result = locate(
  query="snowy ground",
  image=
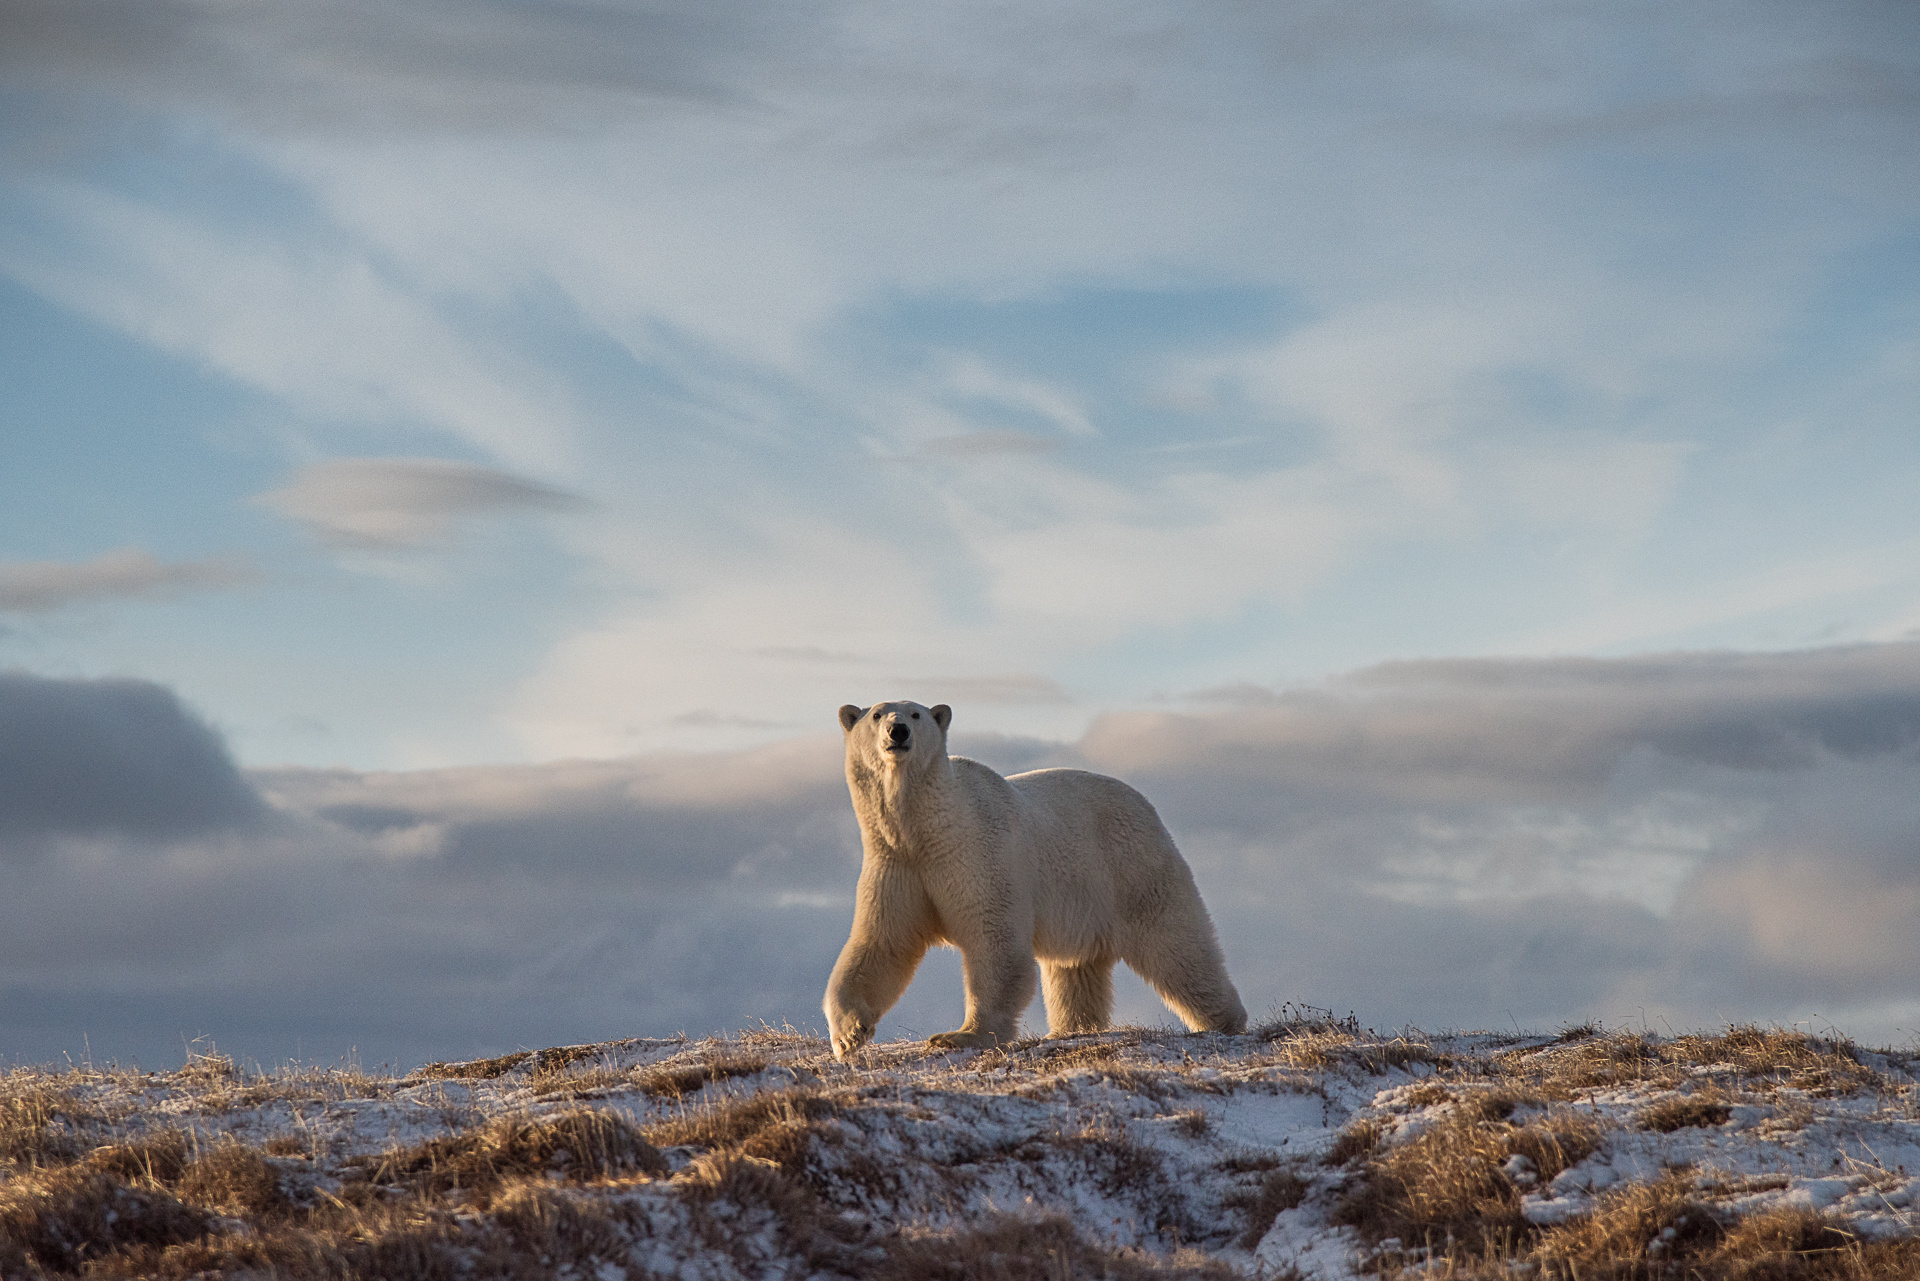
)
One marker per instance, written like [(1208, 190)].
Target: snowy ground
[(1269, 1154)]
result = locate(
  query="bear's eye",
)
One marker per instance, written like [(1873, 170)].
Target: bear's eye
[(916, 716)]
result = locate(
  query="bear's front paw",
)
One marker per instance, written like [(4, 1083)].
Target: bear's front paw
[(849, 1036), (963, 1040)]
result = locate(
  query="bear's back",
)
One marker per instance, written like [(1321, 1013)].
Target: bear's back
[(1096, 817)]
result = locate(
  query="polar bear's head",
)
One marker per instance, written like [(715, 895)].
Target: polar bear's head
[(896, 735)]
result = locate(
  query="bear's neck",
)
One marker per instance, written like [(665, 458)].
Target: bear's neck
[(896, 808)]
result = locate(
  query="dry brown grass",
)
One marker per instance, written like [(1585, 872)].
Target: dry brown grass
[(53, 1221), (1448, 1189), (1324, 1050), (680, 1080), (478, 1070), (580, 1145), (1194, 1124), (1119, 1165), (1103, 1059), (158, 1159), (89, 1186), (341, 1243), (229, 1177), (729, 1122), (1279, 1190), (1354, 1142), (1569, 1070), (215, 1086), (1426, 1094), (728, 1191), (1052, 1060), (232, 1178), (1650, 1231), (1751, 1058), (34, 1131), (795, 1131), (1663, 1229), (1046, 1249), (1706, 1108), (1640, 1230), (1799, 1245), (1292, 1020), (1771, 1057), (208, 1068)]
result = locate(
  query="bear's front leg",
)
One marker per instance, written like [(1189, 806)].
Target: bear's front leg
[(1000, 976), (890, 935)]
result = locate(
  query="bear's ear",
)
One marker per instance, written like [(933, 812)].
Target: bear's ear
[(941, 715), (850, 716)]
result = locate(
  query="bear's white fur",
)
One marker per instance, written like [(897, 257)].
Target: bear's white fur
[(1072, 868)]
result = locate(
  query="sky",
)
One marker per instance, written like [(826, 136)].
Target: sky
[(1457, 458)]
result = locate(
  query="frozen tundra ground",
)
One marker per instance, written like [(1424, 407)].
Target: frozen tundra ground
[(1309, 1148)]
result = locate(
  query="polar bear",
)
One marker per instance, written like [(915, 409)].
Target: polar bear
[(1071, 868)]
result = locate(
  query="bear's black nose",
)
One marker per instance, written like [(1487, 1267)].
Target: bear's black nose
[(899, 732)]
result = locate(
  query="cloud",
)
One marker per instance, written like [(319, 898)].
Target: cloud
[(404, 502), (39, 586), (331, 64), (94, 756), (1016, 687), (807, 654), (1461, 732), (1679, 839), (976, 444), (1688, 837), (1491, 360), (721, 261)]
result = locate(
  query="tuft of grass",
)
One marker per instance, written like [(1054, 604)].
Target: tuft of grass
[(1292, 1020), (675, 1082), (156, 1160), (1320, 1047), (730, 1122), (233, 1179), (560, 1229), (1426, 1094), (1750, 1057), (1118, 1163), (56, 1220), (1279, 1190), (208, 1068), (1043, 1249), (1354, 1142), (1639, 1230), (1773, 1057), (33, 1128), (478, 1070), (728, 1190), (1686, 1110), (581, 1145), (1447, 1188), (1069, 1058)]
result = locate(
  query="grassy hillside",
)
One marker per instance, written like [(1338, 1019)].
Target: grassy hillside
[(1308, 1148)]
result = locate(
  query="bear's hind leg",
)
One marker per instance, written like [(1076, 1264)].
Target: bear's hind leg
[(1079, 995), (1180, 960)]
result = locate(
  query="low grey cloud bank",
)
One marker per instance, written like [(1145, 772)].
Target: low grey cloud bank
[(1682, 839), (39, 586), (110, 756), (334, 63)]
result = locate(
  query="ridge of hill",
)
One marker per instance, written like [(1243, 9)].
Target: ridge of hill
[(1307, 1148)]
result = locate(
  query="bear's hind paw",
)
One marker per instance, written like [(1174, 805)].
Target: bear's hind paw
[(964, 1040)]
